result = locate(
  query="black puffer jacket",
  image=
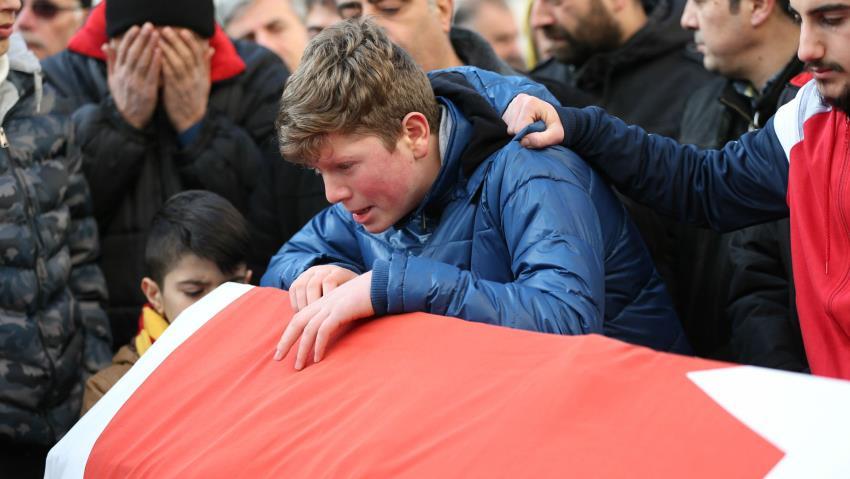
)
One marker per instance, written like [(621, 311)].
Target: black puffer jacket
[(739, 297), (132, 172), (53, 331), (647, 80)]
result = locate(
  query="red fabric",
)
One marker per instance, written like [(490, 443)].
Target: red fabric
[(801, 79), (421, 396), (88, 41), (819, 197)]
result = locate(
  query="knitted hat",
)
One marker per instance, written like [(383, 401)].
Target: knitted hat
[(196, 15)]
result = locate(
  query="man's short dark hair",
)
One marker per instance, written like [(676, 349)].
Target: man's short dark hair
[(197, 222)]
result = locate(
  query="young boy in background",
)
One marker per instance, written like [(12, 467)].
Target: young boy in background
[(196, 242), (529, 239)]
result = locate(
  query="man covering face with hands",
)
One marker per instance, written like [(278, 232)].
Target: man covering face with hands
[(164, 102)]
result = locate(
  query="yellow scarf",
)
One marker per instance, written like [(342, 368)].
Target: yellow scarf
[(151, 327)]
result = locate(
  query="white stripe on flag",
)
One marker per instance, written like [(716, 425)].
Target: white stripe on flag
[(804, 416), (68, 458)]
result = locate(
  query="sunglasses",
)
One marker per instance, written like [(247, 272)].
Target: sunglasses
[(46, 10)]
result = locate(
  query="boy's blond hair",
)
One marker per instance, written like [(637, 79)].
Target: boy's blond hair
[(352, 80)]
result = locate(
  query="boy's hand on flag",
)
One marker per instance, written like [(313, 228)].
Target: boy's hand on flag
[(316, 282), (317, 322)]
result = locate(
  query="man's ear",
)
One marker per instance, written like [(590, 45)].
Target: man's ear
[(248, 275), (444, 10), (417, 132), (153, 293), (761, 10)]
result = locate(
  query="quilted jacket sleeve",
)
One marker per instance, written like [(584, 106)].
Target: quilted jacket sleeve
[(327, 239), (743, 183), (552, 232)]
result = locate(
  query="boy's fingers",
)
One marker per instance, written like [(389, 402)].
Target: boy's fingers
[(323, 337), (308, 337), (287, 339), (328, 285), (314, 288)]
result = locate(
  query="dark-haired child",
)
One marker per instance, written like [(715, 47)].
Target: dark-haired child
[(196, 242)]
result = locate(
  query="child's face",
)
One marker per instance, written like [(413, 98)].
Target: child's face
[(186, 283), (376, 186)]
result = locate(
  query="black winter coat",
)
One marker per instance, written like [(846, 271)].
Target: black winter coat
[(132, 172), (740, 294)]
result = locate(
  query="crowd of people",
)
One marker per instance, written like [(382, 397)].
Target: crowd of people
[(627, 173)]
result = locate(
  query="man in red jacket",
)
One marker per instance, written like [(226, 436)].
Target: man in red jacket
[(799, 162)]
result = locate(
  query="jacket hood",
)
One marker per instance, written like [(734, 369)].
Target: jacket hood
[(474, 100), (661, 34), (22, 59), (89, 40)]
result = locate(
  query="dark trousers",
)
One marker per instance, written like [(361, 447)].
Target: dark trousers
[(22, 461)]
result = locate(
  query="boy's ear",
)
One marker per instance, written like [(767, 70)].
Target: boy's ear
[(417, 132), (248, 275), (154, 294)]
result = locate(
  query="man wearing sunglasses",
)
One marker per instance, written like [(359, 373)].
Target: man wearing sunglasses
[(47, 25)]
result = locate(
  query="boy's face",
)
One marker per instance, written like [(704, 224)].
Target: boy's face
[(190, 280), (377, 186)]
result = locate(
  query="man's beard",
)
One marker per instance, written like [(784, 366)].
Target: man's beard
[(842, 101), (597, 32)]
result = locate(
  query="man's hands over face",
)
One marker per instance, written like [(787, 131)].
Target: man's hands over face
[(185, 76), (317, 321), (134, 65), (144, 60)]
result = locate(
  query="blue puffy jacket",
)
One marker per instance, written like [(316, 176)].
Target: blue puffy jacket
[(532, 239)]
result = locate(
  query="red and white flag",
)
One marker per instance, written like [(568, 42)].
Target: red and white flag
[(432, 397)]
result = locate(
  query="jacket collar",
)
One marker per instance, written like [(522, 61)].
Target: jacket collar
[(450, 179), (660, 35), (225, 63), (779, 90)]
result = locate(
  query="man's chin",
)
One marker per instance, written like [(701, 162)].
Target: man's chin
[(840, 101)]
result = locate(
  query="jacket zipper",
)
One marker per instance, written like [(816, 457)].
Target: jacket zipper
[(843, 217)]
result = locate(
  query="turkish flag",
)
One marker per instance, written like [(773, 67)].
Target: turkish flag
[(403, 396)]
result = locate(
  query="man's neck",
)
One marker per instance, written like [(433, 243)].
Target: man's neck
[(779, 45), (442, 56), (631, 21)]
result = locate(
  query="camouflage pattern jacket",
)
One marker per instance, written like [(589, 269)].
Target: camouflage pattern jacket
[(53, 331)]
